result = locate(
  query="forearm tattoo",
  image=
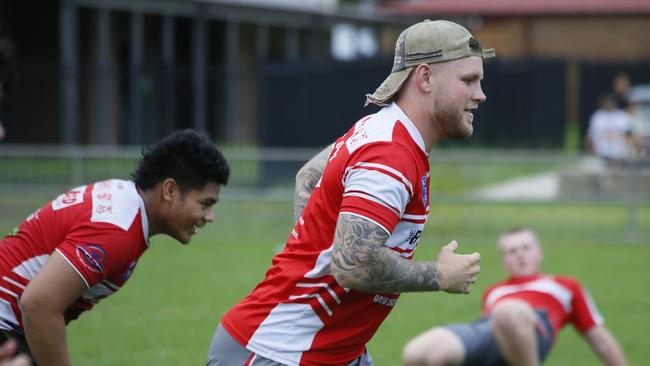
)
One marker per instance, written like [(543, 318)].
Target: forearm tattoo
[(306, 180), (363, 263)]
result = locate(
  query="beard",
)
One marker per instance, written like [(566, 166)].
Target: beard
[(454, 124)]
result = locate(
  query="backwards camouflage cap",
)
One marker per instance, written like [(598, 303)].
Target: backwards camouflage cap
[(425, 43)]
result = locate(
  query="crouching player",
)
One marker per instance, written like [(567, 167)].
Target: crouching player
[(84, 245)]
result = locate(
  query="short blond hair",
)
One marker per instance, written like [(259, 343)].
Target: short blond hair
[(517, 230)]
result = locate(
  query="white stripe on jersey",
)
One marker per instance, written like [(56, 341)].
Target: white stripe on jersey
[(30, 267), (317, 297), (111, 285), (544, 285), (9, 292), (415, 217), (323, 285), (7, 317), (278, 332), (593, 310), (365, 218), (99, 290), (387, 168), (322, 266), (389, 191), (13, 282)]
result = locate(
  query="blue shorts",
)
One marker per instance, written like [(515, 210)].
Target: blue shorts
[(481, 346)]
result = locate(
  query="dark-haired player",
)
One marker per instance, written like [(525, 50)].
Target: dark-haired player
[(84, 245)]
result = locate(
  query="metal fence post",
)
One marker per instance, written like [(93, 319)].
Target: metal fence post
[(632, 233)]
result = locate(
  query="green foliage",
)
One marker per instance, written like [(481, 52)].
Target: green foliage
[(167, 312)]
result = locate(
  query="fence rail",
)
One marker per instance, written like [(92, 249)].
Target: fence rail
[(456, 175)]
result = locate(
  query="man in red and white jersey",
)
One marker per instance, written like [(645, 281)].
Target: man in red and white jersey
[(366, 201), (84, 245), (521, 317)]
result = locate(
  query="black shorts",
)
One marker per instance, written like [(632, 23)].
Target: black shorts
[(481, 346)]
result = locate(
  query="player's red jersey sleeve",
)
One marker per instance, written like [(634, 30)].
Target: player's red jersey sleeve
[(378, 183), (100, 254), (584, 314)]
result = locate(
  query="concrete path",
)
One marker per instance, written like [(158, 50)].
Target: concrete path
[(539, 187)]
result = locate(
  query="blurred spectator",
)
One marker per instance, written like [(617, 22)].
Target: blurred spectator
[(609, 135), (620, 88), (7, 71), (640, 127)]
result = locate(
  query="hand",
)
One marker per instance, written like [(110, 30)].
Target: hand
[(7, 351), (457, 271)]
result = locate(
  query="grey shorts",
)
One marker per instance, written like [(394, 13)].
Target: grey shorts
[(481, 346), (226, 351)]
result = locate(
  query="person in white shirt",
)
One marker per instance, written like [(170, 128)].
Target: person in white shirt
[(609, 132)]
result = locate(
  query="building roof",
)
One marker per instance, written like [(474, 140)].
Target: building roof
[(293, 13), (518, 7)]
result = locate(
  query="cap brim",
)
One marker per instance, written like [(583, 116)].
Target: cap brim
[(387, 90)]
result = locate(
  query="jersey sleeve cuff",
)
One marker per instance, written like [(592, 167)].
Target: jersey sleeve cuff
[(73, 267)]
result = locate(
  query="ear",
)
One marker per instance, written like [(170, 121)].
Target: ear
[(423, 73), (169, 189)]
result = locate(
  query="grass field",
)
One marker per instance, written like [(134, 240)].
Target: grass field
[(166, 313)]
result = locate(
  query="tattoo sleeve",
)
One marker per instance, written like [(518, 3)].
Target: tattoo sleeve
[(306, 180), (360, 261)]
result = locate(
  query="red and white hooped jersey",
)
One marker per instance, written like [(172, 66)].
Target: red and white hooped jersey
[(299, 314), (100, 229), (565, 300)]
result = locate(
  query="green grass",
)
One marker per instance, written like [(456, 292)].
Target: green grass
[(68, 172), (167, 312)]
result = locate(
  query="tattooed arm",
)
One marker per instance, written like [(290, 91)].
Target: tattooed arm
[(307, 178), (360, 261)]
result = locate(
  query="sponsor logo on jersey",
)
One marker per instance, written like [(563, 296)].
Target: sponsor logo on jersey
[(103, 209), (383, 300), (92, 256), (414, 236), (104, 196), (73, 197), (424, 190)]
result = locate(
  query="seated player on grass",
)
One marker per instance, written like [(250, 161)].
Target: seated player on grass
[(521, 317)]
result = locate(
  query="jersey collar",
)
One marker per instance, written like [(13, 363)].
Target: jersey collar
[(399, 114), (522, 279), (143, 218)]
